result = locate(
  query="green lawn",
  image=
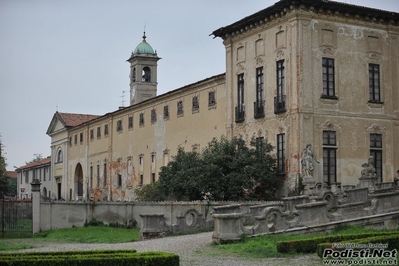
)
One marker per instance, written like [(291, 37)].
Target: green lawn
[(90, 234), (266, 246)]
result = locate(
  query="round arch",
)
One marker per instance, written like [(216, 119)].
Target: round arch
[(78, 181)]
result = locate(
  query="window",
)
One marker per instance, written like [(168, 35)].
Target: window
[(146, 74), (70, 141), (130, 122), (119, 180), (98, 175), (211, 98), (98, 132), (195, 103), (328, 78), (141, 119), (374, 83), (119, 125), (105, 174), (152, 158), (106, 130), (166, 112), (81, 138), (376, 153), (153, 116), (281, 153), (279, 100), (134, 74), (91, 134), (240, 108), (180, 108), (59, 156), (141, 160), (153, 177), (91, 176), (329, 157), (76, 139), (26, 176), (259, 110), (141, 180)]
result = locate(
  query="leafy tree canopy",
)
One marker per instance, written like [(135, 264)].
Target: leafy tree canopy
[(225, 170), (36, 157)]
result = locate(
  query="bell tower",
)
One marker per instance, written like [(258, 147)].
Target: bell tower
[(143, 72)]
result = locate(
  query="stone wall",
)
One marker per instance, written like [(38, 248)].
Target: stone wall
[(178, 216)]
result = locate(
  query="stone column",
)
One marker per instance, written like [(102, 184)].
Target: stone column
[(35, 188)]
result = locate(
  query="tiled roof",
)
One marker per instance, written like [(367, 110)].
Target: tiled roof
[(34, 164), (72, 120), (11, 174)]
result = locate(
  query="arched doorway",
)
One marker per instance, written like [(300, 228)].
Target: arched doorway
[(79, 181), (44, 192)]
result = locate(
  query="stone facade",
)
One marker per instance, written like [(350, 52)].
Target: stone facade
[(297, 73)]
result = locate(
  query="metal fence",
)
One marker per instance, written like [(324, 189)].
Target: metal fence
[(16, 218)]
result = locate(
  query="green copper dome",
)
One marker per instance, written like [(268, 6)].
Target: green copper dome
[(144, 47)]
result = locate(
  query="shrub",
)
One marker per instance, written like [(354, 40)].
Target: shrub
[(99, 257), (309, 245)]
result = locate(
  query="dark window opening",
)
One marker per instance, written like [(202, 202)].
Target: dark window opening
[(180, 108), (166, 112), (279, 100), (329, 157), (211, 98), (195, 103), (374, 83), (240, 108), (281, 153), (153, 116), (259, 105), (146, 74), (328, 78)]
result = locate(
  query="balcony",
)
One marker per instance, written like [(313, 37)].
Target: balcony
[(279, 104), (240, 114), (259, 109)]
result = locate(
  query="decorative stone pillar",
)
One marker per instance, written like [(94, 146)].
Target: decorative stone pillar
[(153, 225), (227, 227), (35, 188)]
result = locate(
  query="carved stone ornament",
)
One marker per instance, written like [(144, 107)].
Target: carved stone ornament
[(328, 125), (375, 128), (259, 61), (375, 57), (328, 50)]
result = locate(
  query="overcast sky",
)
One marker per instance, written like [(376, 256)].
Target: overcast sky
[(71, 56)]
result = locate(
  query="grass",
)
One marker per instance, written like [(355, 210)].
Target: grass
[(266, 246), (91, 234)]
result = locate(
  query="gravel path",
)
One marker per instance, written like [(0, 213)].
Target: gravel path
[(193, 250)]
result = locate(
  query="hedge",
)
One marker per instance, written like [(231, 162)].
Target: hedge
[(99, 257), (309, 245), (391, 240)]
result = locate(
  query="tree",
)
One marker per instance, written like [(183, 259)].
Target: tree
[(36, 157), (225, 170), (3, 165)]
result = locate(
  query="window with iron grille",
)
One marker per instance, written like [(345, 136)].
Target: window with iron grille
[(279, 100), (105, 174), (98, 175), (328, 78), (195, 103), (329, 157), (180, 108), (91, 134), (240, 108), (119, 125), (91, 176), (211, 98), (98, 132), (153, 116), (106, 130), (130, 122), (166, 112), (141, 119), (376, 153), (281, 153), (119, 180), (259, 110), (374, 83)]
